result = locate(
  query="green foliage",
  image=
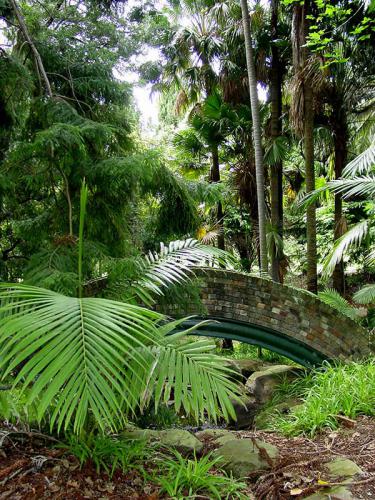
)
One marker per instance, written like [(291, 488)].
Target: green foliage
[(188, 478), (335, 300), (347, 390), (108, 453)]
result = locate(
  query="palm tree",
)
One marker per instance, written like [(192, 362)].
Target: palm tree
[(358, 180), (190, 57), (304, 123), (87, 358), (257, 134), (276, 171)]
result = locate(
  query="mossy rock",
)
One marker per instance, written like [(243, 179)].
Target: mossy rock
[(242, 457), (179, 439)]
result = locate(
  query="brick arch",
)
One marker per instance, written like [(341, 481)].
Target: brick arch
[(285, 319)]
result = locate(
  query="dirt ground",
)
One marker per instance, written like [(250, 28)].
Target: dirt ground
[(31, 469)]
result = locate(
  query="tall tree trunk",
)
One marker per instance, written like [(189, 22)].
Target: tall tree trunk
[(312, 275), (340, 137), (300, 60), (276, 131), (257, 137), (215, 177)]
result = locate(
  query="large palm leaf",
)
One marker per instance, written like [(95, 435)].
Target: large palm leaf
[(90, 356), (352, 238), (74, 351), (364, 163)]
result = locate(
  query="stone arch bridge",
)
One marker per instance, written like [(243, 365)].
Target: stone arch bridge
[(283, 319)]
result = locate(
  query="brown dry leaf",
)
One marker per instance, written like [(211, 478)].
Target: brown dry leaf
[(73, 484)]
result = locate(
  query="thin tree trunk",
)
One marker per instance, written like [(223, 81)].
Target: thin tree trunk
[(300, 58), (26, 34), (257, 137), (276, 131), (340, 137), (312, 275), (215, 177)]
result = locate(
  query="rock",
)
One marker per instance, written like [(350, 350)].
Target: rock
[(338, 493), (249, 366), (246, 411), (220, 441), (343, 467), (180, 439), (244, 456), (233, 365), (211, 434), (261, 384)]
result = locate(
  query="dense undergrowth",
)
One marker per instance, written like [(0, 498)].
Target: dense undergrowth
[(324, 395)]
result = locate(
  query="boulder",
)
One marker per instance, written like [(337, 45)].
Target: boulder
[(180, 439), (246, 411), (261, 384), (338, 493), (249, 366), (343, 467), (212, 434), (241, 457), (233, 365)]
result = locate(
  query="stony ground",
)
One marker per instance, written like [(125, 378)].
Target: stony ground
[(30, 469)]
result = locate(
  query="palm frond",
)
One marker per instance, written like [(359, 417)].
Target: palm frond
[(351, 238), (199, 380), (334, 299), (365, 295), (356, 186), (174, 264), (74, 353), (362, 164)]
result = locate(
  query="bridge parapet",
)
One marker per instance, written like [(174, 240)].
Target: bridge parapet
[(293, 313)]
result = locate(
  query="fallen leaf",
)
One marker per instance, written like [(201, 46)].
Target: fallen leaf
[(295, 491), (320, 481)]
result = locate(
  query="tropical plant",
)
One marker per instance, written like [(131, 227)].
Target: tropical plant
[(108, 453), (254, 103), (332, 297), (189, 478), (90, 358)]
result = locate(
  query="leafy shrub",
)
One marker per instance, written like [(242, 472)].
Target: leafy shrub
[(247, 351), (347, 390), (162, 418), (187, 478), (108, 453)]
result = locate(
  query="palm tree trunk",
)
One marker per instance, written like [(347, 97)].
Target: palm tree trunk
[(312, 275), (257, 137), (300, 59), (215, 177), (276, 131), (340, 137)]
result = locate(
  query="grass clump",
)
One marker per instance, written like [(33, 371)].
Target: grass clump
[(347, 390), (182, 477), (108, 453)]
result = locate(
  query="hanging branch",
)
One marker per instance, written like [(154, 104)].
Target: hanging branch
[(26, 34)]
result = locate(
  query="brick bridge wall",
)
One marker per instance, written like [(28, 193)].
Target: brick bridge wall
[(294, 313)]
